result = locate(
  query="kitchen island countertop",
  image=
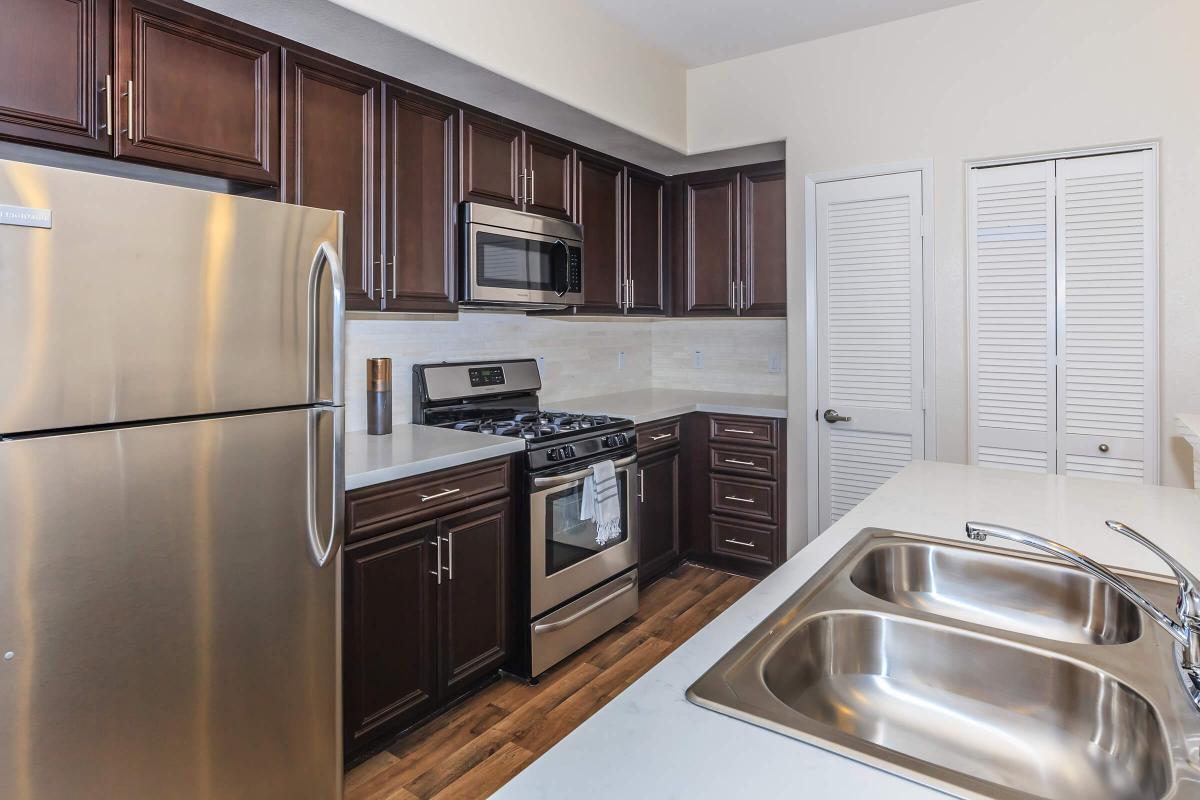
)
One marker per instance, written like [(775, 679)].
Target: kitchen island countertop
[(649, 405), (649, 741)]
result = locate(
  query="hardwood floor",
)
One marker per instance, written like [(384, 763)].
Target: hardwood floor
[(472, 750)]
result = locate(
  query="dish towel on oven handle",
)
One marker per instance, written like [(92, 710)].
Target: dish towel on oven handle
[(601, 502)]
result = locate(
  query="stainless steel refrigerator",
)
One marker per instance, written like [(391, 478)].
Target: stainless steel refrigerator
[(170, 492)]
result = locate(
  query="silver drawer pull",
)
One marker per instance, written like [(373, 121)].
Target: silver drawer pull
[(737, 499), (740, 542), (660, 436), (443, 493), (739, 462), (739, 430)]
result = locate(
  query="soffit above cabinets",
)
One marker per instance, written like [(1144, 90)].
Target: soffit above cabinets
[(698, 34)]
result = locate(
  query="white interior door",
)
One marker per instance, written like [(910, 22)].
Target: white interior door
[(870, 365)]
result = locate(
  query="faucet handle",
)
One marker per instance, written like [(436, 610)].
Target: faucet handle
[(1189, 585)]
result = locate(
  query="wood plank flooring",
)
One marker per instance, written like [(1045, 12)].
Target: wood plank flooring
[(472, 750)]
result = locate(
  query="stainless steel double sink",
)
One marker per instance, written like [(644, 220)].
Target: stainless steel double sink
[(974, 671)]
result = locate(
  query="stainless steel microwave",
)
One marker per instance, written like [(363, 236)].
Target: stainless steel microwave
[(511, 258)]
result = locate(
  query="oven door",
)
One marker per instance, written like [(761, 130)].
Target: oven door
[(566, 560), (507, 266)]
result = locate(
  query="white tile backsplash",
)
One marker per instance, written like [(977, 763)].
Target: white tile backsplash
[(581, 355)]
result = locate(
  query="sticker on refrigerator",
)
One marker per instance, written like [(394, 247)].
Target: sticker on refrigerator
[(25, 217)]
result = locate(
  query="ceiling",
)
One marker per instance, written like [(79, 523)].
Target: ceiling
[(701, 32)]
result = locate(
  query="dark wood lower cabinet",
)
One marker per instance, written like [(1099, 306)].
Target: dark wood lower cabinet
[(426, 616), (658, 514), (475, 630), (389, 636)]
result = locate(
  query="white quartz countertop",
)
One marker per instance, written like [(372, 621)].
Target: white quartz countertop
[(416, 449), (651, 742), (648, 405)]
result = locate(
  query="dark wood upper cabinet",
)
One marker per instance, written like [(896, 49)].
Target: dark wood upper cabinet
[(710, 244), (390, 638), (331, 157), (645, 235), (474, 636), (195, 94), (491, 161), (420, 198), (548, 166), (55, 57), (598, 208), (658, 513), (764, 241)]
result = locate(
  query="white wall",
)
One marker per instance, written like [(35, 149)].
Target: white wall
[(562, 48), (987, 79), (580, 354)]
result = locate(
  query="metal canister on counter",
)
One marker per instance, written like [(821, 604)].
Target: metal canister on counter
[(379, 396)]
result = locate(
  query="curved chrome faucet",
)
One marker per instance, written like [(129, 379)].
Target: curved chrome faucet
[(1186, 631)]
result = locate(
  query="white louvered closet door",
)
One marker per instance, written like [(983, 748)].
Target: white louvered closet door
[(1010, 243), (869, 335), (1107, 311)]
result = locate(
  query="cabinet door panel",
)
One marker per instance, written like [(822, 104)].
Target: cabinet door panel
[(389, 637), (710, 254), (658, 513), (764, 241), (474, 599), (205, 96), (598, 210), (491, 162), (54, 56), (550, 177), (420, 197), (331, 160), (645, 237)]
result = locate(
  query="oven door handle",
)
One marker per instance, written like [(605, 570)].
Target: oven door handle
[(550, 627), (571, 477)]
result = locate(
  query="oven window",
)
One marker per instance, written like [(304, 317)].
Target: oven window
[(570, 540), (506, 262)]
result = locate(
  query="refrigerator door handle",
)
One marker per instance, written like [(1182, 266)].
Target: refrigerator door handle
[(326, 255), (322, 553)]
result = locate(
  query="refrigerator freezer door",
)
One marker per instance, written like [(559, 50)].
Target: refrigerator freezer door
[(165, 629), (142, 301)]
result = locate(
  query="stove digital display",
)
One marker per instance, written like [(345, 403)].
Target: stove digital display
[(486, 376)]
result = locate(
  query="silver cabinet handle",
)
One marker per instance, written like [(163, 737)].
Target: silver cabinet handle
[(641, 485), (129, 107), (739, 430), (832, 416), (632, 300), (521, 190), (739, 542), (449, 546), (737, 499), (742, 295), (392, 266), (437, 543), (532, 186), (661, 436), (107, 89), (739, 462), (436, 495)]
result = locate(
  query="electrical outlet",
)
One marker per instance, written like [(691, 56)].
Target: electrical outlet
[(698, 359), (620, 359), (774, 361)]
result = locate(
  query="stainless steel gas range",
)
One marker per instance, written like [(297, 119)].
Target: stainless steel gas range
[(572, 588)]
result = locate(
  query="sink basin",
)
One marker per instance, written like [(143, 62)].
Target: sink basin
[(982, 673), (1031, 597), (1016, 718)]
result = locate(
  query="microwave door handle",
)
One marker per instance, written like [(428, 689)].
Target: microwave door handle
[(571, 477)]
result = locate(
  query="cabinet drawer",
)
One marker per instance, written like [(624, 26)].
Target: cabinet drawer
[(743, 497), (743, 540), (756, 463), (657, 435), (747, 430), (380, 508)]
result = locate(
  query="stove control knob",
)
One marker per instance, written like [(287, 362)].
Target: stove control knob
[(569, 450), (553, 455)]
